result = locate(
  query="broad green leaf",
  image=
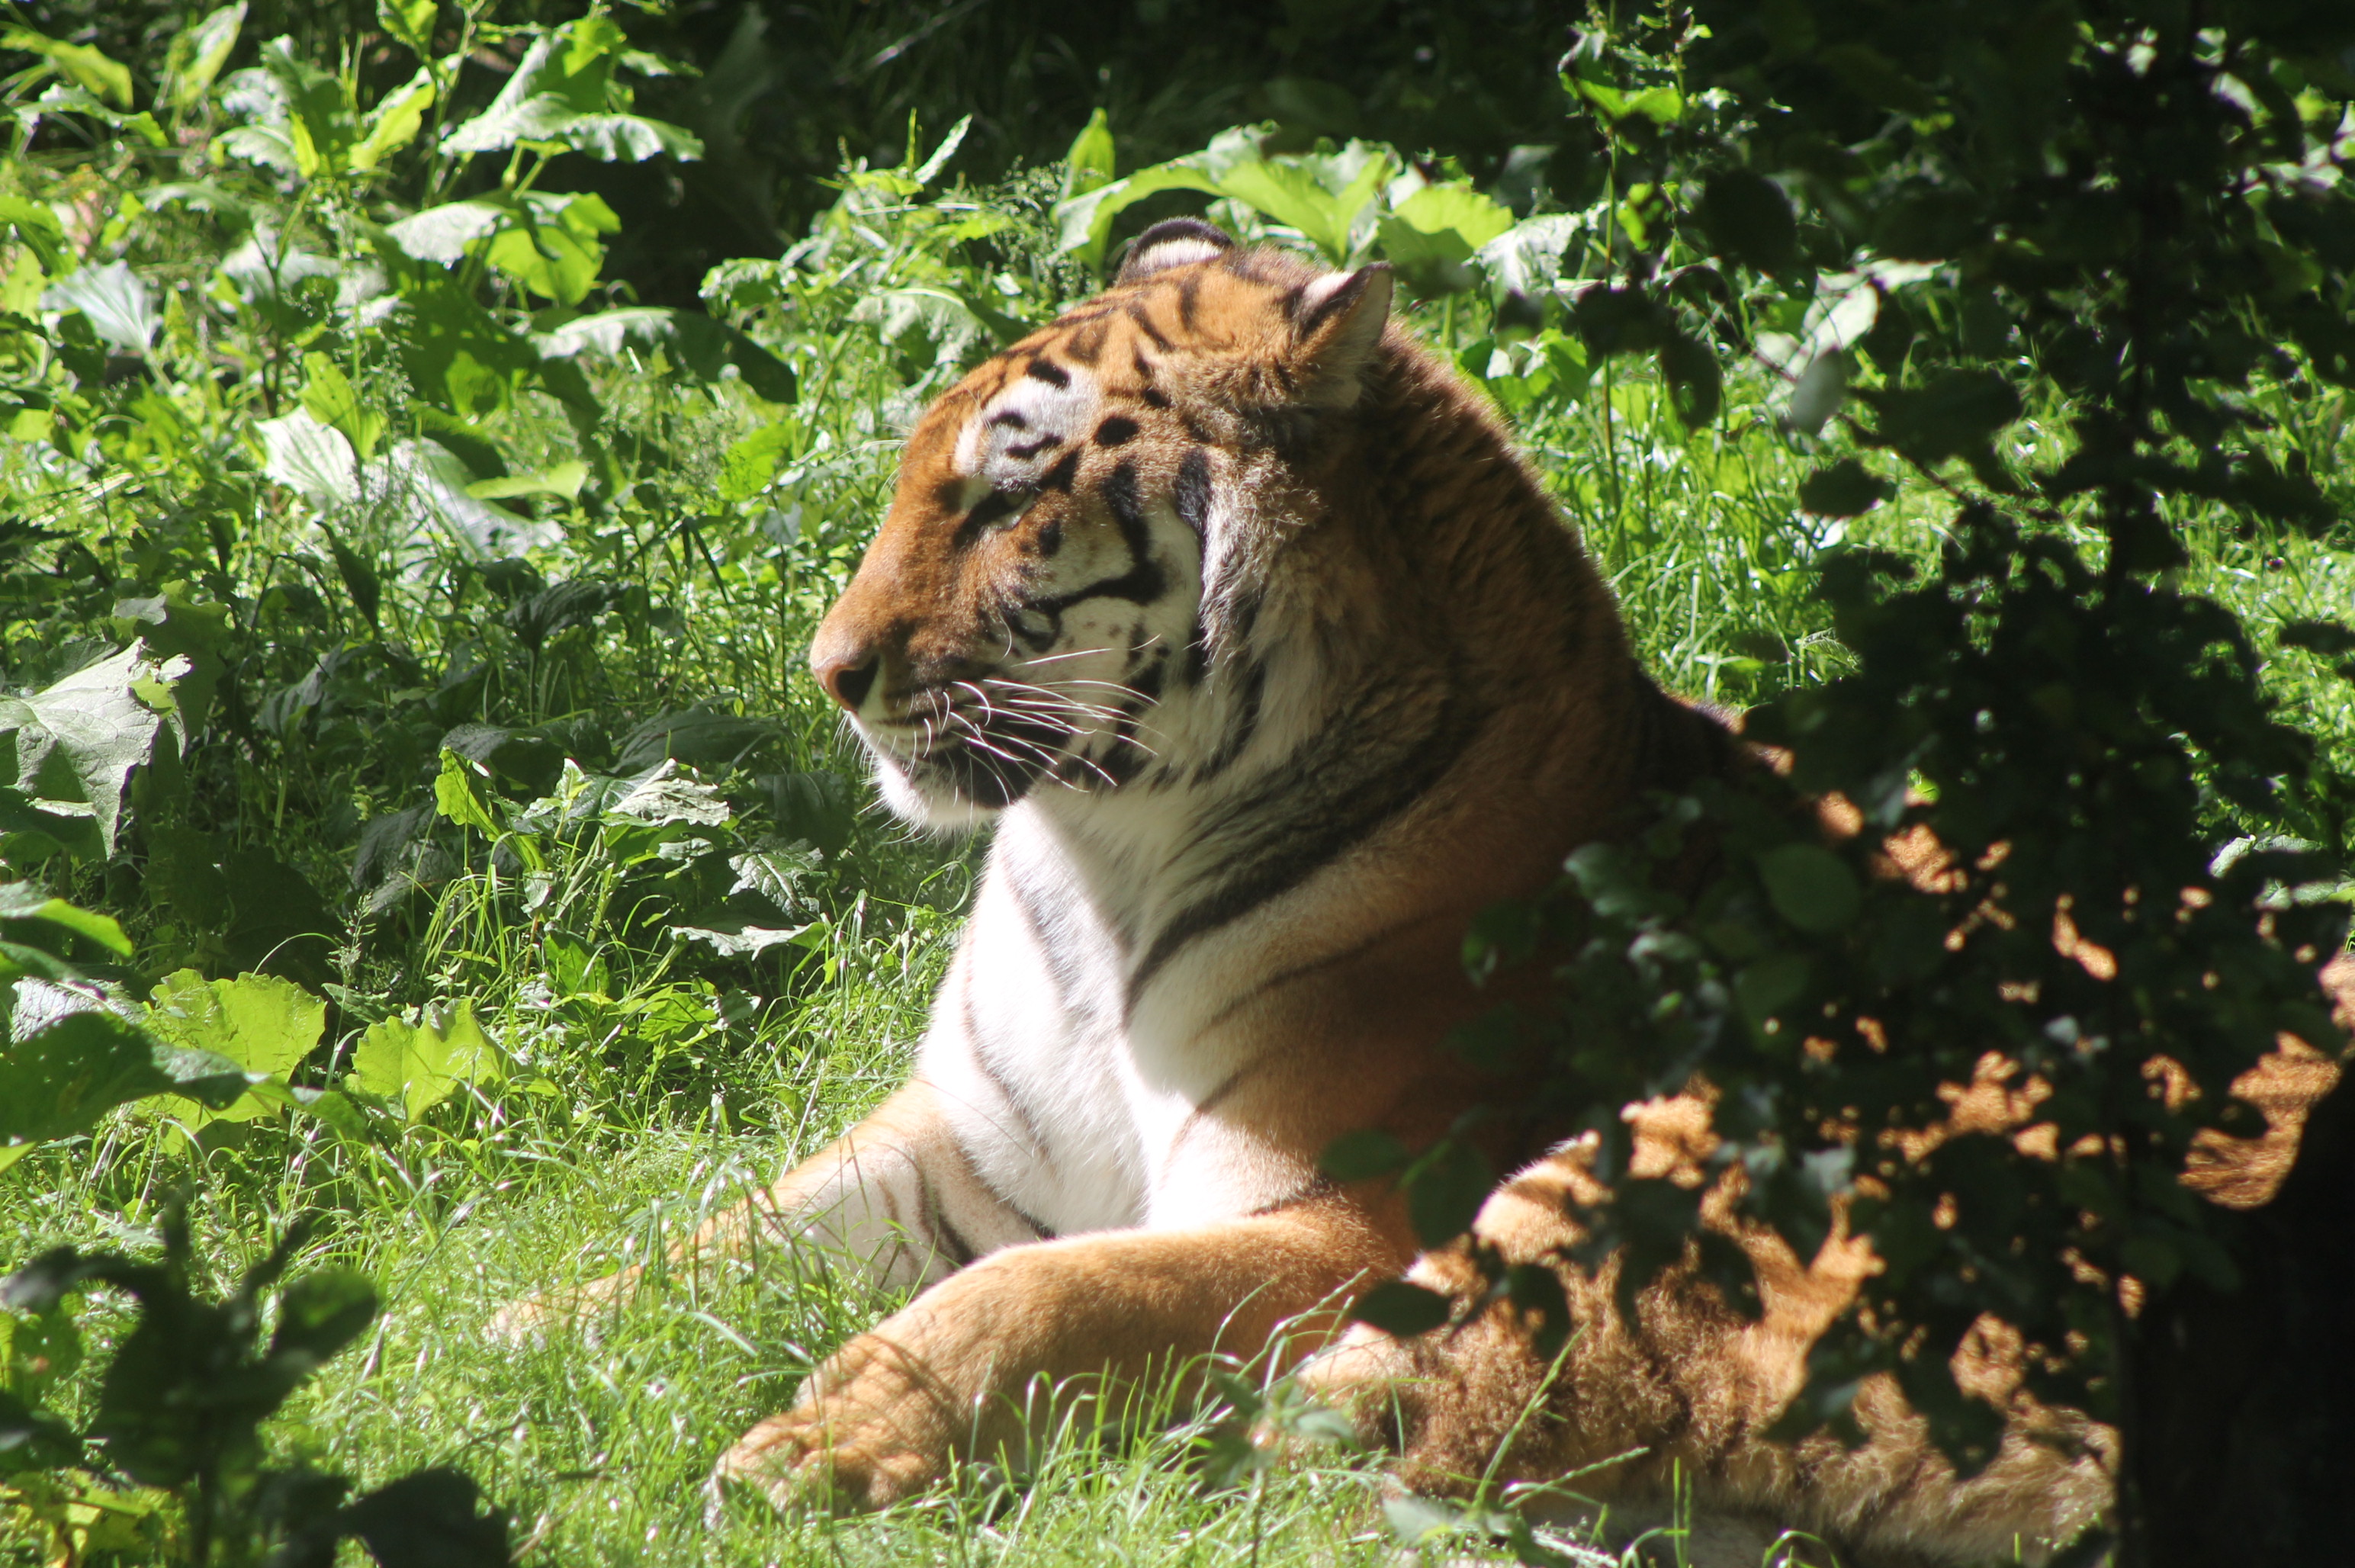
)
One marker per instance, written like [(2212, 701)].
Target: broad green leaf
[(77, 743), (59, 1080), (695, 343), (24, 901), (262, 1024), (332, 399), (419, 1065), (1749, 220), (197, 56), (36, 225), (551, 261), (107, 79), (1362, 1154), (320, 124), (443, 234), (1436, 232), (1811, 887), (730, 936), (1085, 220), (1089, 164), (312, 459), (119, 304), (1401, 1309), (747, 466)]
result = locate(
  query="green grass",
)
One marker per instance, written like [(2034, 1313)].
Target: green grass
[(684, 1080)]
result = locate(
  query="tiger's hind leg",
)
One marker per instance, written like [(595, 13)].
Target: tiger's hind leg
[(896, 1198)]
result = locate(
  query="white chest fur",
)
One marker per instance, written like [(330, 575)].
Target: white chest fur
[(1077, 1112)]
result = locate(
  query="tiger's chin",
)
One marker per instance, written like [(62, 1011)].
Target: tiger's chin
[(953, 789)]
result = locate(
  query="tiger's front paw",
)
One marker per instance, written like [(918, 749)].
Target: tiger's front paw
[(873, 1427), (529, 1319)]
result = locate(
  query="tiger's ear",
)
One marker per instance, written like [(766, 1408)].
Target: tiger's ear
[(1337, 324), (1173, 243)]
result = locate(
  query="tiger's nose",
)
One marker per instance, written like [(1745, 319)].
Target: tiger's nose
[(848, 678)]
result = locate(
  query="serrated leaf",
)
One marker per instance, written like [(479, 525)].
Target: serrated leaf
[(262, 1025), (417, 1066), (118, 302)]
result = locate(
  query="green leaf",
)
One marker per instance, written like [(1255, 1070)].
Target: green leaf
[(1811, 887), (310, 457), (333, 400), (394, 122), (458, 795), (1747, 219), (118, 302), (262, 1025), (563, 479), (1362, 1154), (1843, 489), (1401, 1309), (411, 21), (748, 466), (1445, 1189), (417, 1066), (77, 743), (320, 1313), (1089, 164), (695, 343), (197, 56), (107, 79), (1434, 233)]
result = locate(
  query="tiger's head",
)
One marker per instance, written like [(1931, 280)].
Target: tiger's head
[(1079, 525)]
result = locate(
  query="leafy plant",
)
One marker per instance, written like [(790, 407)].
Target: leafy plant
[(180, 1410), (2140, 862)]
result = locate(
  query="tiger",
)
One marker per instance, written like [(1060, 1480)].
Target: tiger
[(1235, 614)]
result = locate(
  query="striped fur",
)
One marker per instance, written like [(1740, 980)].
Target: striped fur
[(1273, 666)]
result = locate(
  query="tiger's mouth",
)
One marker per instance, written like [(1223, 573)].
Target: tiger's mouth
[(985, 741)]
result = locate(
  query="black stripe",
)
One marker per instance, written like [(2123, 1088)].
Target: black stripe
[(1054, 375), (1330, 796), (1143, 582), (1193, 494), (1060, 476), (1030, 449), (1117, 431), (1143, 319), (1087, 346), (960, 1250), (993, 508), (1188, 288), (1242, 723)]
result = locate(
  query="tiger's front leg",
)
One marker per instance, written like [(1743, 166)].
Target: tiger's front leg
[(896, 1196), (946, 1378)]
